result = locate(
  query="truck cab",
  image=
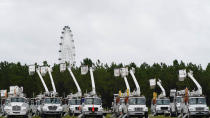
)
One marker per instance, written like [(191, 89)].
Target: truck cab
[(136, 106), (161, 106), (175, 105), (16, 106), (92, 106), (51, 106), (74, 106), (196, 106)]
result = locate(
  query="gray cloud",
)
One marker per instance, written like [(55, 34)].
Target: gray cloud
[(110, 30)]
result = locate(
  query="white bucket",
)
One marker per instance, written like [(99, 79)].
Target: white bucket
[(152, 83)]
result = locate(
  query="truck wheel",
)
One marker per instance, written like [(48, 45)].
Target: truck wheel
[(146, 115), (101, 116), (43, 116)]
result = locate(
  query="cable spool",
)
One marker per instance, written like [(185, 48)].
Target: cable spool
[(186, 97), (154, 97), (120, 93), (126, 100), (117, 99), (127, 91)]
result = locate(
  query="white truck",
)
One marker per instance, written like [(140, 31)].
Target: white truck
[(160, 105), (136, 105), (175, 103), (3, 98), (91, 103), (75, 106), (47, 103), (119, 102), (118, 105), (51, 106), (74, 100), (16, 103), (194, 103)]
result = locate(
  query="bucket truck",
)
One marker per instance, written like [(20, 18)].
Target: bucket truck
[(120, 99), (160, 105), (92, 104), (16, 104), (136, 105), (3, 98), (175, 103), (74, 100), (47, 103), (194, 101)]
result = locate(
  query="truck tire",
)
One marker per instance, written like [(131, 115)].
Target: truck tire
[(146, 115)]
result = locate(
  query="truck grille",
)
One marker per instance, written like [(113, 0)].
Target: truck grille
[(52, 107), (16, 108), (199, 108), (164, 108), (90, 109), (138, 109)]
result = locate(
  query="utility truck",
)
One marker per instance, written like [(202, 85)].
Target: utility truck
[(161, 104), (16, 103), (48, 103), (3, 98), (74, 100), (175, 103), (136, 105), (91, 103), (194, 103), (120, 99), (130, 104)]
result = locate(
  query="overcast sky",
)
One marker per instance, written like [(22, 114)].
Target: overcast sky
[(110, 30)]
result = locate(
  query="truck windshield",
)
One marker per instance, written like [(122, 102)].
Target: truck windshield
[(75, 102), (90, 101), (163, 102), (136, 101), (197, 101), (178, 99), (18, 100), (52, 101)]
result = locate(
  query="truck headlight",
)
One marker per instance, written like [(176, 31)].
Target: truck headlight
[(157, 108), (72, 108), (191, 109), (60, 108), (207, 109), (24, 108), (101, 109), (145, 109), (24, 105), (7, 109), (44, 109), (130, 109), (85, 109)]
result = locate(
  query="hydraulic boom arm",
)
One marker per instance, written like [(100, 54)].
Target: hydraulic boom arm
[(138, 92), (79, 93), (51, 78), (163, 94), (199, 91), (93, 82), (42, 80), (126, 83)]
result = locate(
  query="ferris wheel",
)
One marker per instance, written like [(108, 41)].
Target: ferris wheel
[(67, 47)]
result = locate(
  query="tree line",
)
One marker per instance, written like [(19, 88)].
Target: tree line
[(106, 83)]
